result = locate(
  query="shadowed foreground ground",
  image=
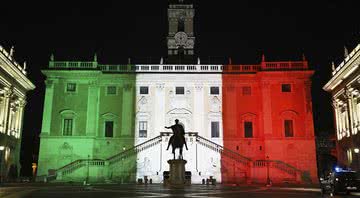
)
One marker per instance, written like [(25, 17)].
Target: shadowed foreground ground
[(197, 191)]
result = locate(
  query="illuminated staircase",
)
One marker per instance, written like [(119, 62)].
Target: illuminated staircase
[(73, 166), (228, 153), (277, 164)]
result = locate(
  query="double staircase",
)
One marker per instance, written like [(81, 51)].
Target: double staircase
[(225, 152)]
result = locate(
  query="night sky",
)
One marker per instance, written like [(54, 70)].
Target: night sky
[(117, 30)]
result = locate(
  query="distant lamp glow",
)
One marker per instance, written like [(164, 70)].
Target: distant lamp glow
[(356, 150), (124, 148), (2, 148), (337, 169)]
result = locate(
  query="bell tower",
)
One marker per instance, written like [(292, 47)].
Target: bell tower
[(180, 39)]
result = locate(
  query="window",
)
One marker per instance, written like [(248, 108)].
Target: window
[(181, 24), (143, 129), (180, 90), (67, 128), (214, 90), (286, 88), (246, 91), (215, 129), (109, 129), (144, 90), (111, 90), (289, 130), (71, 87), (248, 129)]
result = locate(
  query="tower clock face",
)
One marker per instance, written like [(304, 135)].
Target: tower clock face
[(181, 38)]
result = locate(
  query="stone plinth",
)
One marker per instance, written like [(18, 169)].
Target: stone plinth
[(177, 172)]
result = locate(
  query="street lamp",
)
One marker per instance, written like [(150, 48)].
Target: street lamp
[(268, 182), (87, 175), (356, 151)]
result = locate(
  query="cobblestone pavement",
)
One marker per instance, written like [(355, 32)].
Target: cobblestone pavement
[(195, 191)]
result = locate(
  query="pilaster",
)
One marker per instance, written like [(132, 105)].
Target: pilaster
[(127, 110), (48, 104), (92, 107), (266, 100), (8, 92)]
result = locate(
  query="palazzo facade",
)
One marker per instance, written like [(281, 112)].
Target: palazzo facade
[(344, 87), (13, 87), (106, 122)]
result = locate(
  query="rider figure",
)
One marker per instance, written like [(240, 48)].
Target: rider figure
[(177, 128)]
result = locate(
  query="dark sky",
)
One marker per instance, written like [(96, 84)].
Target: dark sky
[(116, 30)]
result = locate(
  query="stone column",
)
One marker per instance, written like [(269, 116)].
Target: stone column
[(11, 120), (6, 111), (355, 92), (337, 119), (48, 104), (22, 104), (2, 107), (349, 98)]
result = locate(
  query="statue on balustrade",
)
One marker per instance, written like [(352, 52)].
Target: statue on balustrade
[(177, 140)]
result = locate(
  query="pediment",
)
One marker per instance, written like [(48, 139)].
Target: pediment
[(109, 115), (179, 111)]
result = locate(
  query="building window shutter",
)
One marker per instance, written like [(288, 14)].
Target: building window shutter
[(68, 126), (215, 129), (289, 128), (109, 129), (248, 129)]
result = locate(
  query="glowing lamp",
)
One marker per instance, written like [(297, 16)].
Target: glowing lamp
[(337, 169), (356, 150), (2, 148)]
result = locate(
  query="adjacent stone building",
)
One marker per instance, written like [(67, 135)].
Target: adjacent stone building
[(344, 88), (13, 87)]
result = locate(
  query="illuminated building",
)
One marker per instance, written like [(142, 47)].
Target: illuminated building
[(240, 119), (13, 87), (344, 88)]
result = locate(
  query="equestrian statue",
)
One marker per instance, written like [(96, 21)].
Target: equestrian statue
[(177, 140)]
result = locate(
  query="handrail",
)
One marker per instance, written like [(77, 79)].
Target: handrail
[(135, 149), (227, 152), (69, 168), (278, 165)]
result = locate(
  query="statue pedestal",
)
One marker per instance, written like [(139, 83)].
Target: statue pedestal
[(177, 172)]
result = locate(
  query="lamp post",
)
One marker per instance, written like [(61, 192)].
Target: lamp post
[(268, 182), (356, 151), (87, 175)]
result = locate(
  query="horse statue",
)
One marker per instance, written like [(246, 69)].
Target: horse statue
[(177, 140)]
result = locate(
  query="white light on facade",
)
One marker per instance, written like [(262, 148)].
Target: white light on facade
[(2, 148), (351, 71), (356, 150)]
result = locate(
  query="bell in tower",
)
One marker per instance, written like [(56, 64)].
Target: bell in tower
[(181, 40)]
